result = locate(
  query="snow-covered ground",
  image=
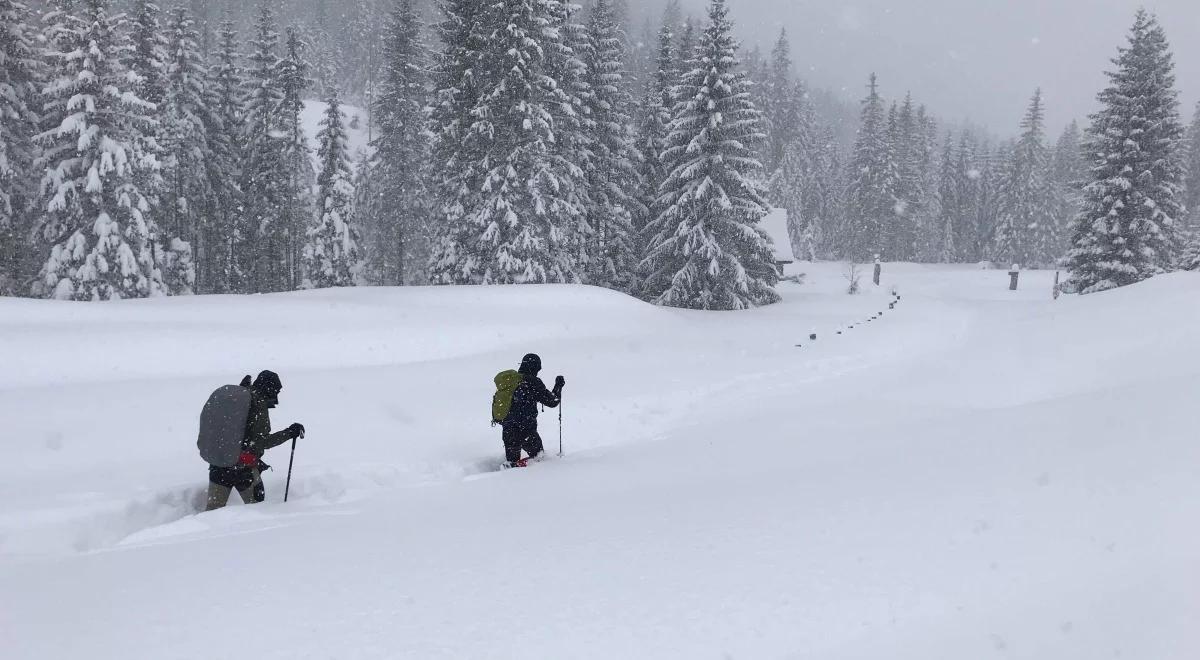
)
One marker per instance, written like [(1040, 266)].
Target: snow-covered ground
[(977, 473)]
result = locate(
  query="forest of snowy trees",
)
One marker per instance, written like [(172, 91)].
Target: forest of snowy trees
[(152, 150)]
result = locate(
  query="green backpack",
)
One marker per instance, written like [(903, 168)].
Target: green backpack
[(506, 385)]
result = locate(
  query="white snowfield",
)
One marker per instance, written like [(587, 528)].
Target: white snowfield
[(976, 474)]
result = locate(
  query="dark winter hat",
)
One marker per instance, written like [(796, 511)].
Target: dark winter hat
[(268, 386), (531, 364)]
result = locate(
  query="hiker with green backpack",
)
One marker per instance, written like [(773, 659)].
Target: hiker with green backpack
[(514, 407)]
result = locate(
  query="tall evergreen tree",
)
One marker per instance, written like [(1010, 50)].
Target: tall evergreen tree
[(293, 83), (331, 254), (611, 174), (95, 216), (950, 202), (148, 57), (187, 190), (1025, 228), (1191, 199), (805, 185), (1129, 227), (1068, 171), (267, 182), (508, 212), (19, 80), (873, 179), (653, 122), (706, 250), (396, 224), (788, 120), (224, 232)]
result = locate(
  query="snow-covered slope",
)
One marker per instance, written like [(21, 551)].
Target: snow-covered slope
[(976, 473)]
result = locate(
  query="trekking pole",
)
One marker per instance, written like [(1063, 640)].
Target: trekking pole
[(288, 485), (560, 405)]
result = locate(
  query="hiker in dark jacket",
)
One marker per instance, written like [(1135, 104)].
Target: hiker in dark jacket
[(246, 476), (520, 427)]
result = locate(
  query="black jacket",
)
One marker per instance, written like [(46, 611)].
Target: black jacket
[(530, 393)]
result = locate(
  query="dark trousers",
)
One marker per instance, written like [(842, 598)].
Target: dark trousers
[(519, 437), (247, 481)]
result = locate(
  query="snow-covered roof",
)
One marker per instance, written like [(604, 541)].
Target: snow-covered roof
[(776, 226)]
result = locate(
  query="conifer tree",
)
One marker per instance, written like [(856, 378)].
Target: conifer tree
[(970, 191), (1129, 227), (611, 173), (187, 190), (1068, 171), (788, 119), (396, 224), (705, 248), (148, 57), (95, 216), (1191, 199), (293, 84), (20, 74), (224, 233), (872, 188), (950, 202), (267, 181), (1025, 228), (331, 254), (654, 120), (507, 190), (805, 185)]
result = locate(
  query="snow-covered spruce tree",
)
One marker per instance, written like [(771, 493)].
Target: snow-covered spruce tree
[(95, 216), (654, 118), (871, 193), (293, 83), (19, 88), (705, 248), (1025, 228), (507, 192), (331, 255), (187, 194), (267, 183), (224, 234), (949, 202), (1068, 171), (148, 57), (574, 132), (1191, 256), (1191, 199), (971, 184), (611, 173), (1128, 229), (788, 117), (456, 93), (396, 223), (805, 185), (908, 153), (685, 53)]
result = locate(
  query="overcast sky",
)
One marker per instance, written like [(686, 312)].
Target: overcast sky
[(970, 59)]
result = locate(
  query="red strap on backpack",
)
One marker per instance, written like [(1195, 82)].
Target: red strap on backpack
[(248, 459)]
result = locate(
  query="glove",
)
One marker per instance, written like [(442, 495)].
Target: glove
[(295, 430), (559, 382)]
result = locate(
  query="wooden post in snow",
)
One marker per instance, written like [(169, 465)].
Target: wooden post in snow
[(1057, 286), (1014, 277), (878, 270)]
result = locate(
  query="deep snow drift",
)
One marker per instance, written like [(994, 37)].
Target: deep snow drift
[(977, 473)]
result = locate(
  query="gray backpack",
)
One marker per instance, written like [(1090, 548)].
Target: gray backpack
[(223, 425)]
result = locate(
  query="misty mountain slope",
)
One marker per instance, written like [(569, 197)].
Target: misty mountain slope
[(977, 473)]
